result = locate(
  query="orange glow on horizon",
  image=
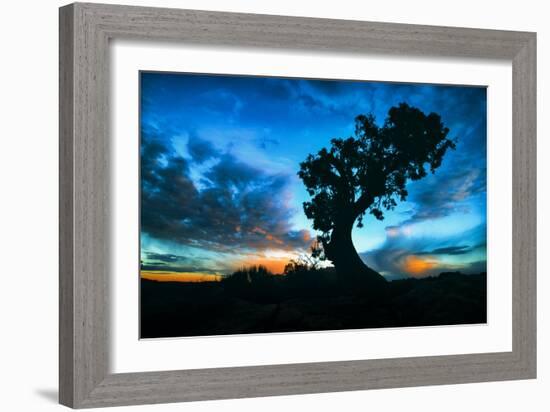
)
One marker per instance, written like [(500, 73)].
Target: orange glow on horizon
[(167, 276), (274, 265), (417, 266)]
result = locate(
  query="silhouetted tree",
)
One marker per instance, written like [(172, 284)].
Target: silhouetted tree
[(368, 174)]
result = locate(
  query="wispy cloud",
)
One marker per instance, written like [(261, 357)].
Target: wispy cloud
[(405, 254)]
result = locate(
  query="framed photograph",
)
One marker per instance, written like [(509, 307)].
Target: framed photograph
[(256, 205)]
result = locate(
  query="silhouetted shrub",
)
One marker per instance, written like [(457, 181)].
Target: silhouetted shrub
[(254, 283)]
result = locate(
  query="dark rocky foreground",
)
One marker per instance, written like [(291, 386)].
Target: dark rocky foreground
[(307, 302)]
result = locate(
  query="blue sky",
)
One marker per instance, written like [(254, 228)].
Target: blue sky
[(219, 157)]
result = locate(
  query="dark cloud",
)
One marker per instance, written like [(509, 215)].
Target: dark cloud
[(177, 263), (264, 142), (163, 257), (309, 97), (200, 149), (310, 102), (238, 205), (451, 250), (279, 89), (313, 103), (232, 172)]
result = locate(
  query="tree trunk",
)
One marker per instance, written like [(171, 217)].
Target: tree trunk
[(349, 266)]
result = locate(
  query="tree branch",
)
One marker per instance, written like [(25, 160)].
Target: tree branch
[(364, 201), (345, 182)]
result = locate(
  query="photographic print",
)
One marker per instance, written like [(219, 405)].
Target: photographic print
[(272, 204)]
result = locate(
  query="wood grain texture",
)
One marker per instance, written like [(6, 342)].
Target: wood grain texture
[(66, 229), (524, 186), (85, 31)]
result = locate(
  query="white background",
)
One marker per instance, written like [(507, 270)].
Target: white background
[(132, 355), (28, 146)]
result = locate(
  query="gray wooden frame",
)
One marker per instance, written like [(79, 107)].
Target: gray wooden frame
[(85, 31)]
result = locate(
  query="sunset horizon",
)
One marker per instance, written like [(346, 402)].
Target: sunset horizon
[(241, 200)]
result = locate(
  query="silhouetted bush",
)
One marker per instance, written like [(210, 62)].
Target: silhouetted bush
[(254, 283)]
